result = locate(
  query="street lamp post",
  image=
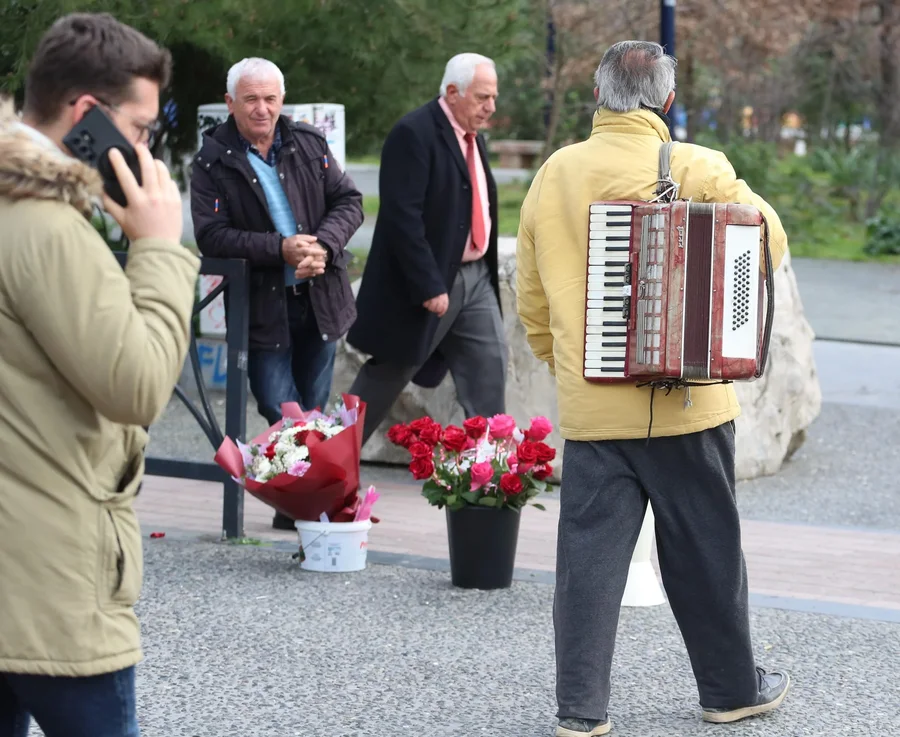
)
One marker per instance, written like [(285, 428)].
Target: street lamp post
[(667, 39)]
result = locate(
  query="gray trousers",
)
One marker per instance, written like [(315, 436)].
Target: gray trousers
[(471, 338), (689, 481)]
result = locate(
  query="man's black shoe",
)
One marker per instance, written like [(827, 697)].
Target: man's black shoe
[(773, 687), (281, 522)]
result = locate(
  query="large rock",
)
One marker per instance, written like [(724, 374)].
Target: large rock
[(776, 410)]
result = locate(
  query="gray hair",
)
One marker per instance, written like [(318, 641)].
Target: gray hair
[(253, 68), (633, 74), (460, 71)]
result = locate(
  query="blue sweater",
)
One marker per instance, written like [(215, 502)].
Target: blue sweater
[(279, 206)]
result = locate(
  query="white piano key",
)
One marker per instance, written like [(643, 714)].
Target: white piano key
[(601, 293), (597, 374), (605, 340), (598, 354), (603, 304), (613, 257)]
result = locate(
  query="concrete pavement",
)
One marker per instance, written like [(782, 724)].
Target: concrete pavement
[(240, 641)]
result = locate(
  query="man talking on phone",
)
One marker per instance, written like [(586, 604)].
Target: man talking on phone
[(91, 353)]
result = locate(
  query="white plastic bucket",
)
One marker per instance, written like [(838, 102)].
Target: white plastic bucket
[(333, 547)]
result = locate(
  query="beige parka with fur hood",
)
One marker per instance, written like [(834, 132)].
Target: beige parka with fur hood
[(89, 353)]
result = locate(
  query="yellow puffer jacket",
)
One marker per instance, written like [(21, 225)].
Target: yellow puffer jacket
[(90, 354), (618, 162)]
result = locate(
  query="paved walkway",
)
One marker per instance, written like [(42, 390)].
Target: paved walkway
[(804, 562)]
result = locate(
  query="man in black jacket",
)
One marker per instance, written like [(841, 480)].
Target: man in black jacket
[(429, 299), (268, 190)]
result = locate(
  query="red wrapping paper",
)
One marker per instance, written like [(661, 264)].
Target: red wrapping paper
[(331, 483)]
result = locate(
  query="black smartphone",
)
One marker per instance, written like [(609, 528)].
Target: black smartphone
[(90, 141)]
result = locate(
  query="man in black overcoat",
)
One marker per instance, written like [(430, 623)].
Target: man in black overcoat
[(429, 301)]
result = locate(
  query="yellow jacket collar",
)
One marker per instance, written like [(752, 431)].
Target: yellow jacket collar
[(636, 123)]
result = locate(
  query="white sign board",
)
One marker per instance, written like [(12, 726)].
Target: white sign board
[(212, 317), (328, 117)]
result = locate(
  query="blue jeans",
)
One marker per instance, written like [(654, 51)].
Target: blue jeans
[(299, 373), (95, 706)]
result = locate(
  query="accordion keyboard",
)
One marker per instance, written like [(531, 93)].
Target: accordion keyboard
[(608, 291)]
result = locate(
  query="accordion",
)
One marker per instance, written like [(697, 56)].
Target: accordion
[(675, 293)]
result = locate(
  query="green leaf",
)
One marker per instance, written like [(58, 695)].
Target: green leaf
[(540, 506), (539, 485), (488, 501), (451, 500), (470, 496)]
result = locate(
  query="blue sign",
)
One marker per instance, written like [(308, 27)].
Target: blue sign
[(213, 357)]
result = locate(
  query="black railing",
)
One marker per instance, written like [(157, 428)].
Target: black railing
[(235, 276)]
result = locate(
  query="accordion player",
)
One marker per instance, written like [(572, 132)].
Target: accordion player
[(675, 294)]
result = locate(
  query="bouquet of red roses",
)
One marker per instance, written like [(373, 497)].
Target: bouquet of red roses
[(304, 465), (489, 462)]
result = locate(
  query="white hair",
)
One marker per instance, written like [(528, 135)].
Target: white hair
[(253, 68), (634, 74), (460, 71)]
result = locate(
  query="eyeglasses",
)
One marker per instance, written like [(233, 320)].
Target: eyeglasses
[(147, 132)]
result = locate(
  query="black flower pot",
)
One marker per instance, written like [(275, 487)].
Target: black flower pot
[(482, 546)]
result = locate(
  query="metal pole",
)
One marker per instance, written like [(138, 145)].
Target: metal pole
[(548, 72), (236, 386), (667, 40)]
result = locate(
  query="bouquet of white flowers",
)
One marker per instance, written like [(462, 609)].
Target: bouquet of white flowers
[(287, 450), (304, 465)]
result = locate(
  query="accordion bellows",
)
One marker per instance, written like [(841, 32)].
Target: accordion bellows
[(675, 291)]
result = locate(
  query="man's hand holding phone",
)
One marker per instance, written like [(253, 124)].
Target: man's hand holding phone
[(154, 207)]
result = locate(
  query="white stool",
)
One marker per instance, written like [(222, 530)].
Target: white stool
[(642, 588)]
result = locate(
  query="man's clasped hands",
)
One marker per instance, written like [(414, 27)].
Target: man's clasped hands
[(304, 253)]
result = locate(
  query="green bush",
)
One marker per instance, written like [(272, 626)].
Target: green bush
[(883, 236)]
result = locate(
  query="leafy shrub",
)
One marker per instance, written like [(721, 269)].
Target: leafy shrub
[(883, 236)]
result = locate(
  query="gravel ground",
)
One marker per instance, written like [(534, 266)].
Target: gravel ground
[(240, 641)]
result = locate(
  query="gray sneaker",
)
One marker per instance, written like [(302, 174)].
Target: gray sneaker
[(773, 687), (582, 727)]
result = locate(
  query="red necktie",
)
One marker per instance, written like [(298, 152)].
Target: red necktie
[(477, 213)]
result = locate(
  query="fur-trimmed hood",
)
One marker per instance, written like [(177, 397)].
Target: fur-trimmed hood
[(29, 168)]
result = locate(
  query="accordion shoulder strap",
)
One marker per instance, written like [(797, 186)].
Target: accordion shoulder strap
[(666, 187)]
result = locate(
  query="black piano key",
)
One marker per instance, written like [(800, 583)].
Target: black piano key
[(611, 369), (611, 238), (614, 323), (613, 344), (613, 284), (618, 223), (618, 248), (613, 359), (618, 214), (612, 309)]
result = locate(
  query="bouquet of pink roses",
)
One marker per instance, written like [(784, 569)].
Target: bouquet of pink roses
[(488, 462)]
